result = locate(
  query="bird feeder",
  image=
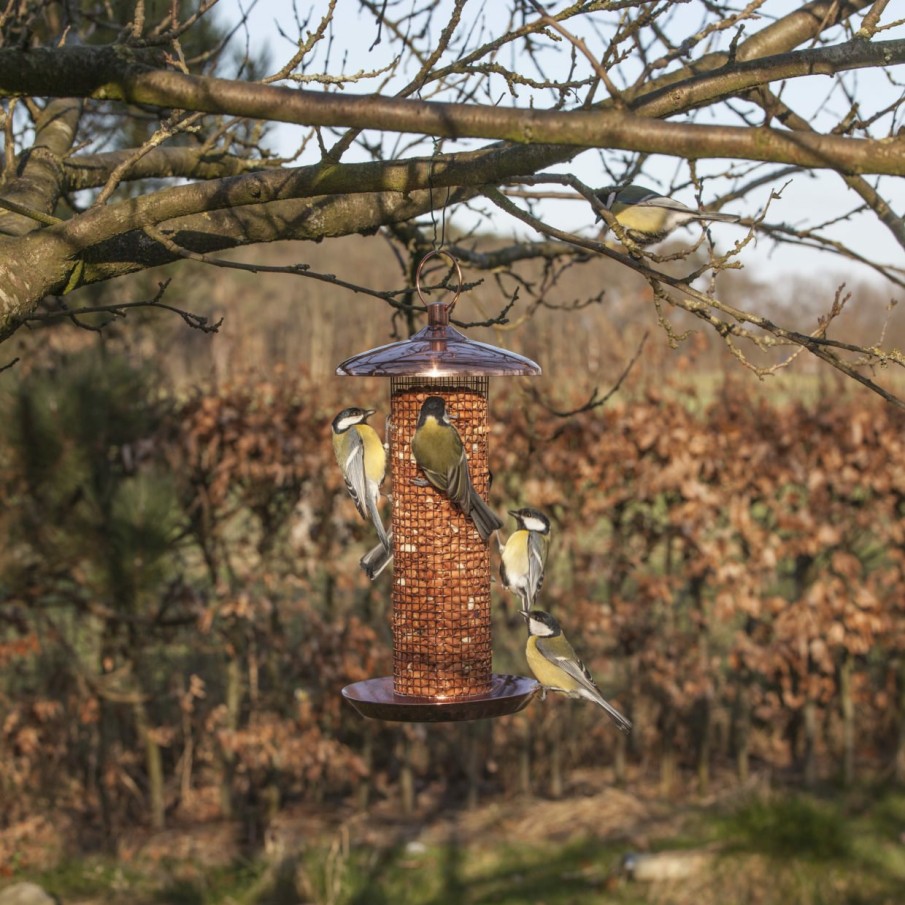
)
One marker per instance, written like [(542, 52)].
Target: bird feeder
[(442, 645)]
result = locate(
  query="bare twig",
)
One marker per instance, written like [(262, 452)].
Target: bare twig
[(702, 306), (117, 310), (595, 400), (871, 21)]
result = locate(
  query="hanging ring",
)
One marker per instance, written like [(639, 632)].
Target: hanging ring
[(424, 260)]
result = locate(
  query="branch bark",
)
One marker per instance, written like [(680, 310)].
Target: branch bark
[(269, 205), (38, 185), (582, 128)]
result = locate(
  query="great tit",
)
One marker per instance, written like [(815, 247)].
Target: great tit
[(377, 558), (438, 450), (647, 216), (524, 555), (557, 667), (363, 461)]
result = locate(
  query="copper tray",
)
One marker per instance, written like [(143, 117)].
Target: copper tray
[(375, 698)]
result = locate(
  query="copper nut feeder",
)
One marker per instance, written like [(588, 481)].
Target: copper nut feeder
[(442, 644)]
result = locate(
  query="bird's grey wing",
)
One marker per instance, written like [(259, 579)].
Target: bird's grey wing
[(569, 663), (438, 479), (654, 200), (572, 666), (671, 204), (354, 473), (458, 484), (536, 555)]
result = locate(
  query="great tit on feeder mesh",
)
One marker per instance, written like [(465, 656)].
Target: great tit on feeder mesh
[(438, 450), (557, 667), (646, 216), (363, 461), (524, 555)]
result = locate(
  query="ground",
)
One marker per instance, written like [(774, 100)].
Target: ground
[(739, 845)]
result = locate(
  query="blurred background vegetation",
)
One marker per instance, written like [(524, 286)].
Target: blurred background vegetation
[(180, 605)]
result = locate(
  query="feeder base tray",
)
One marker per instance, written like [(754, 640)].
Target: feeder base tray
[(376, 699)]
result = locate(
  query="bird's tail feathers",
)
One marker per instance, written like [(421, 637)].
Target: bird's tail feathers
[(377, 558), (374, 514), (624, 724), (485, 519), (724, 218)]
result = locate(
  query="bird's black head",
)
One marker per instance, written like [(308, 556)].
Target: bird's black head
[(607, 195), (350, 417), (531, 520), (541, 624), (433, 407)]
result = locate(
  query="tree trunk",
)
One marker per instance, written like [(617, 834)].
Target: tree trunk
[(620, 760), (406, 779), (104, 731), (667, 768), (741, 734), (704, 705), (556, 768), (153, 766), (810, 744), (188, 755), (667, 726), (363, 793), (525, 739), (847, 707), (469, 742), (705, 732), (900, 741), (234, 690)]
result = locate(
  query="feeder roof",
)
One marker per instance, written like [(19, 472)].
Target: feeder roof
[(438, 350)]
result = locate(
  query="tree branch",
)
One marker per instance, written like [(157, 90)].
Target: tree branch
[(583, 128), (87, 171), (701, 305), (32, 195)]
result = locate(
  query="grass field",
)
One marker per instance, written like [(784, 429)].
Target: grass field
[(764, 848)]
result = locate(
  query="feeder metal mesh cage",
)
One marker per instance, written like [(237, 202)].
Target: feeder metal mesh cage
[(441, 593)]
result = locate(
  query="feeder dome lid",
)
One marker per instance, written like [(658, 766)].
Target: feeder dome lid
[(438, 350)]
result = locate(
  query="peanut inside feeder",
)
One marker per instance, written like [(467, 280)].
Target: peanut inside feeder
[(441, 591)]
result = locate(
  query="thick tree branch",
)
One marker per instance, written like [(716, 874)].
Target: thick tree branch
[(764, 98), (729, 80), (294, 203), (87, 171), (582, 128), (38, 184)]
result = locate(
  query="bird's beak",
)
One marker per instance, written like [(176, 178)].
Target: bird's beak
[(369, 412), (524, 615), (513, 512)]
